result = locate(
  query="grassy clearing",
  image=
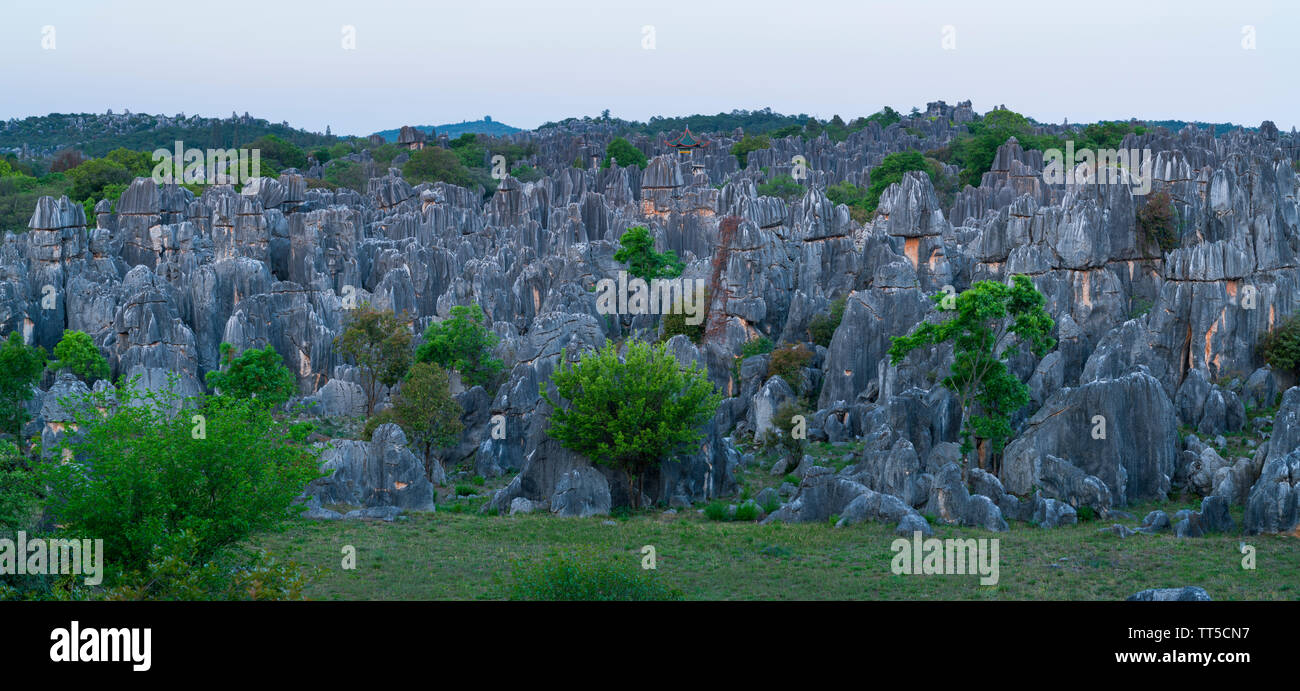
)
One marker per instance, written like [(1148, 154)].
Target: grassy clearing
[(465, 556)]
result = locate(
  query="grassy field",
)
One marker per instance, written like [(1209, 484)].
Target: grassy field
[(467, 555)]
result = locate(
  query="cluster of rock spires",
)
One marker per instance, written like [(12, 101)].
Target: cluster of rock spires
[(1148, 341)]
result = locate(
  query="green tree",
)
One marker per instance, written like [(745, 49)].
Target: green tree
[(747, 144), (782, 186), (425, 409), (138, 163), (974, 154), (90, 178), (154, 484), (889, 172), (18, 491), (629, 414), (380, 345), (637, 250), (884, 117), (436, 164), (621, 150), (276, 154), (20, 368), (526, 173), (463, 343), (76, 352), (984, 317), (255, 374)]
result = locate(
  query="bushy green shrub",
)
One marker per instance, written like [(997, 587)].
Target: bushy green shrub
[(629, 413), (198, 481), (21, 366), (76, 352), (637, 250), (717, 510), (746, 511), (675, 321), (462, 343), (1158, 222), (622, 151), (748, 143), (586, 576), (784, 419), (257, 374), (782, 186), (822, 326), (1280, 347), (771, 503), (787, 361)]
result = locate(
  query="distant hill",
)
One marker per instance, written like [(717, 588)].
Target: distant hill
[(95, 134), (486, 126)]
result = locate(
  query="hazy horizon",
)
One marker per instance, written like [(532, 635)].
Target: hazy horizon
[(525, 64)]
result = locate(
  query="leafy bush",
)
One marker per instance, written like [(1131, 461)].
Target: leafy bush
[(373, 423), (746, 511), (637, 250), (792, 479), (787, 361), (1280, 347), (756, 346), (21, 366), (18, 490), (771, 503), (632, 413), (1086, 513), (255, 374), (76, 352), (1157, 221), (782, 186), (462, 343), (585, 576), (822, 326), (464, 490), (717, 510), (675, 321), (747, 144), (621, 150), (784, 420), (196, 484)]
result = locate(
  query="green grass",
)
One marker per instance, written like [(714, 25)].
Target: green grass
[(469, 555)]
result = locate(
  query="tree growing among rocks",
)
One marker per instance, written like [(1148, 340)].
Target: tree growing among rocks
[(985, 318), (255, 374), (637, 250), (624, 153), (20, 368), (380, 344), (425, 409), (76, 352), (462, 343), (631, 413)]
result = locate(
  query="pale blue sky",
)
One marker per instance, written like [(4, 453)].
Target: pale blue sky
[(528, 61)]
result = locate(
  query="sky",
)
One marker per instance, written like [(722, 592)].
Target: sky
[(359, 67)]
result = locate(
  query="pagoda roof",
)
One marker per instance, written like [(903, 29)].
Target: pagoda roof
[(686, 141)]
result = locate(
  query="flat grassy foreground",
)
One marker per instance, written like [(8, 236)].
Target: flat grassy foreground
[(466, 556)]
